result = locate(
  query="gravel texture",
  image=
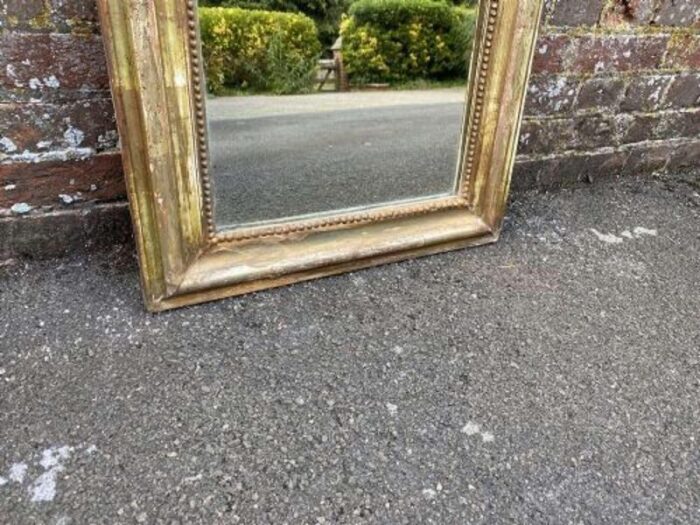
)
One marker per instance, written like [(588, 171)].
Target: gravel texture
[(551, 378)]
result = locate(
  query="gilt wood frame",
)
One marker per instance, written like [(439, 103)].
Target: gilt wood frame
[(156, 77)]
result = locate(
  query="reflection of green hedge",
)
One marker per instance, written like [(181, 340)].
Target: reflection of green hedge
[(258, 50), (396, 40), (326, 13)]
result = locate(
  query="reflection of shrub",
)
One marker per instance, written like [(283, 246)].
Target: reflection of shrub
[(396, 40), (326, 13), (258, 50)]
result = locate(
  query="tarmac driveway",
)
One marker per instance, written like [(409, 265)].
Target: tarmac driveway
[(551, 378)]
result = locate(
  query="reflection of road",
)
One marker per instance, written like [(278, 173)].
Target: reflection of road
[(273, 159)]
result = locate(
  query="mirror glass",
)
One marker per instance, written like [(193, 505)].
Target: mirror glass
[(320, 107)]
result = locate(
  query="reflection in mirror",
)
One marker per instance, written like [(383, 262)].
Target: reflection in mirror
[(325, 108)]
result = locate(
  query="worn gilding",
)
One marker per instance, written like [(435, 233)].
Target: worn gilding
[(155, 70)]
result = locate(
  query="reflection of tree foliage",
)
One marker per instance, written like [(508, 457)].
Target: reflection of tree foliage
[(326, 13), (258, 50), (403, 40)]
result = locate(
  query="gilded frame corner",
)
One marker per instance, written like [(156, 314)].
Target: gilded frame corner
[(157, 83)]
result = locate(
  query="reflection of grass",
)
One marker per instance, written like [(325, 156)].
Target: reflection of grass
[(426, 83), (240, 92), (418, 84)]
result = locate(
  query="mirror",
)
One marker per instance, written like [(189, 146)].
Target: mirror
[(315, 113), (268, 142)]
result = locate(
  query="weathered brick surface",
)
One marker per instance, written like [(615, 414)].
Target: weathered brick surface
[(62, 232), (45, 16), (40, 128), (575, 12), (645, 92), (50, 63), (615, 91), (600, 94), (683, 52), (640, 13), (62, 183), (615, 53), (684, 91)]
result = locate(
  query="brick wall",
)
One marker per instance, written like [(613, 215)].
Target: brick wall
[(615, 90)]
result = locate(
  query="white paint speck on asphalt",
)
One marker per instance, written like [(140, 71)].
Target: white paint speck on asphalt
[(392, 408), (44, 487), (429, 493), (52, 461), (470, 428), (640, 230), (607, 237), (636, 233), (473, 429), (17, 472)]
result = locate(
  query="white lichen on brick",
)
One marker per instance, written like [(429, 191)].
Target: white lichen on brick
[(21, 208), (109, 139), (73, 136), (7, 145), (11, 73), (52, 82), (55, 155)]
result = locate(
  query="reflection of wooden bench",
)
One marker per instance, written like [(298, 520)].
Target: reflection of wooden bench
[(334, 66), (330, 67)]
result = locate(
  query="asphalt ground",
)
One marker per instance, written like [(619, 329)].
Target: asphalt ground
[(277, 157), (553, 377)]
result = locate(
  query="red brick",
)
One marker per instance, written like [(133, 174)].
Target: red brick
[(576, 12), (40, 127), (47, 16), (684, 13), (627, 13), (638, 128), (644, 93), (25, 13), (647, 159), (600, 94), (684, 92), (640, 11), (679, 124), (544, 136), (683, 52), (549, 95), (573, 169), (685, 157), (81, 229), (611, 53), (97, 178), (47, 62), (594, 131), (550, 54), (75, 12)]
